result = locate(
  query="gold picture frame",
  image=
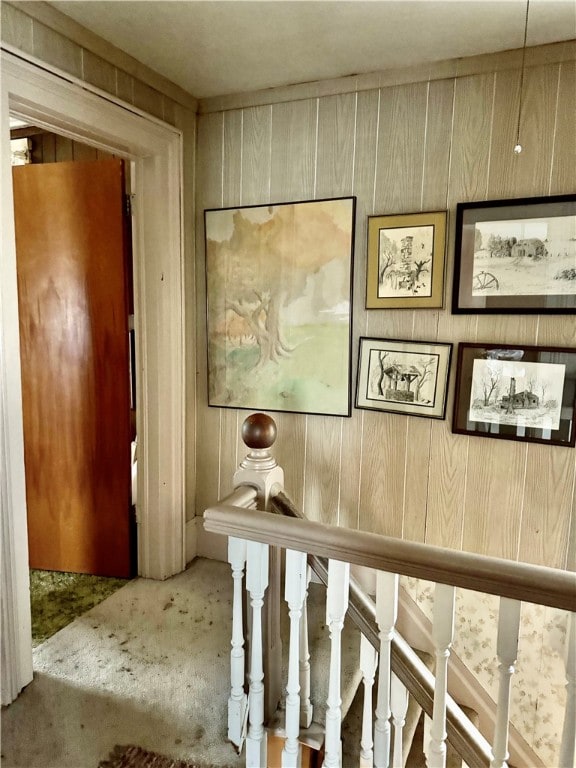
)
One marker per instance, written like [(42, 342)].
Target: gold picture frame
[(406, 257)]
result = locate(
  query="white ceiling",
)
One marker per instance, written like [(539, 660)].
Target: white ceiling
[(217, 47)]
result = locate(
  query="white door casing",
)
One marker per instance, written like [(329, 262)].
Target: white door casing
[(62, 104)]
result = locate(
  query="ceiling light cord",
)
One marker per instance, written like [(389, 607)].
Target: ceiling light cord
[(518, 146)]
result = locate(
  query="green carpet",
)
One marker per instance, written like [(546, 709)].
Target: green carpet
[(58, 598)]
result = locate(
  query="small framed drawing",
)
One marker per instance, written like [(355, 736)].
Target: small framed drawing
[(516, 256), (516, 393), (407, 377), (405, 267)]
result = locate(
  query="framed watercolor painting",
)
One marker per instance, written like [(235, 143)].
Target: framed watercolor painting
[(516, 393), (405, 267), (279, 306), (406, 377), (516, 256)]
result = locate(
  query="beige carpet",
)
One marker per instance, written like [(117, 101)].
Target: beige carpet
[(148, 667)]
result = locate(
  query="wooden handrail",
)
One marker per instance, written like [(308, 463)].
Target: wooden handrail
[(518, 581)]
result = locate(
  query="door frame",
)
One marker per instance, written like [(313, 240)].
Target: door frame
[(61, 103)]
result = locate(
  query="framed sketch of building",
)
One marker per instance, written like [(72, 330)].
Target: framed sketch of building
[(516, 256), (405, 268), (406, 377), (516, 393)]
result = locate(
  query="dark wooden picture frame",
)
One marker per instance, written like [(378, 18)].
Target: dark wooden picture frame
[(279, 306), (516, 256), (516, 392), (404, 377)]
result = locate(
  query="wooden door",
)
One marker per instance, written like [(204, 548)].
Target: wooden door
[(72, 291)]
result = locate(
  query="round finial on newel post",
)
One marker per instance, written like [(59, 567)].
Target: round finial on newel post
[(259, 468), (259, 431)]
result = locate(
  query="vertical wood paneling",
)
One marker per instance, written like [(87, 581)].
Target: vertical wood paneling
[(473, 97), (549, 488), (231, 195), (292, 177), (64, 151), (401, 149), (209, 195), (366, 133), (382, 487), (527, 173), (401, 141), (440, 103), (256, 138), (334, 174), (564, 160), (493, 500)]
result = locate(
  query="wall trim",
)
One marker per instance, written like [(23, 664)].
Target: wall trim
[(155, 151), (72, 30), (553, 53)]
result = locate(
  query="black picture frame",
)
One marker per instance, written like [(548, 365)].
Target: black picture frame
[(516, 392), (279, 290), (516, 256), (409, 378)]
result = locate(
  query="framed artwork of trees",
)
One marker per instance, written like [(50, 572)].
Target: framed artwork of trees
[(516, 393), (405, 268), (516, 256), (279, 306), (405, 377)]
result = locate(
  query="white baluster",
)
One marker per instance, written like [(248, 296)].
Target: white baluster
[(295, 592), (368, 664), (399, 707), (256, 583), (336, 607), (306, 708), (568, 744), (442, 632), (386, 613), (507, 651), (238, 701)]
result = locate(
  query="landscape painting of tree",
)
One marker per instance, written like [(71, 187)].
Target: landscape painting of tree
[(279, 290)]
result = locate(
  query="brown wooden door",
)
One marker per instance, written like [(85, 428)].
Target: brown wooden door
[(72, 292)]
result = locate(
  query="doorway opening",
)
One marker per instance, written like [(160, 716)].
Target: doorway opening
[(55, 101), (59, 590)]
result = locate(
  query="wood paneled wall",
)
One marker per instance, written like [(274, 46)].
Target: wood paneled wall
[(403, 148)]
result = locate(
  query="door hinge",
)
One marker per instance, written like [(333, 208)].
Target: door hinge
[(129, 204)]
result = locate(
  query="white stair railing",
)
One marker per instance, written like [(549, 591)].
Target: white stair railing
[(507, 652), (238, 701), (306, 709), (295, 594), (442, 633), (399, 707), (256, 583), (386, 615), (368, 665), (259, 478), (336, 607)]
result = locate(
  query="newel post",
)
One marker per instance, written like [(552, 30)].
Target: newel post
[(260, 470)]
